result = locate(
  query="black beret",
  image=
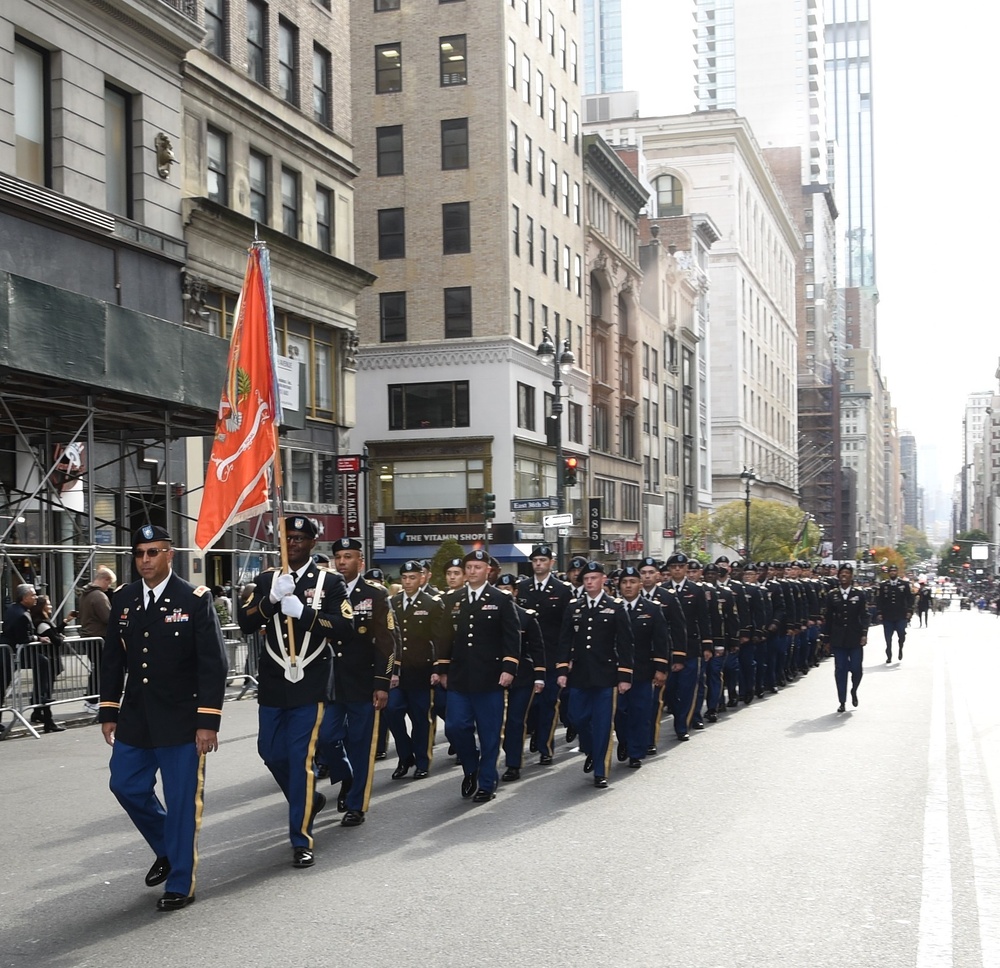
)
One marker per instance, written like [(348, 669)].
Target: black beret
[(411, 566), (694, 564), (476, 556), (374, 574), (150, 532), (299, 522), (722, 560), (507, 581), (592, 567), (628, 572), (321, 559), (648, 563), (347, 544), (454, 563), (541, 551), (577, 562), (677, 558), (710, 569)]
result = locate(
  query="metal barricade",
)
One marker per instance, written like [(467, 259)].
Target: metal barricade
[(243, 652), (10, 691)]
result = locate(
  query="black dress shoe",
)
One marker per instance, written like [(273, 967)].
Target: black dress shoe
[(571, 734), (532, 744), (53, 727), (545, 760), (451, 750), (302, 857), (319, 802), (511, 773), (711, 717), (854, 696), (469, 785), (345, 788), (36, 717), (353, 818), (732, 704), (588, 765), (172, 901), (698, 725), (622, 753), (634, 763), (159, 872), (650, 751), (684, 738), (322, 771), (421, 774), (601, 782), (402, 769), (484, 796), (842, 708), (748, 700)]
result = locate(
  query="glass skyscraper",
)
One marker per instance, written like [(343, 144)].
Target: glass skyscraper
[(602, 46)]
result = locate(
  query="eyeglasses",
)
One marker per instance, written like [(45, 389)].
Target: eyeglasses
[(150, 552), (297, 538)]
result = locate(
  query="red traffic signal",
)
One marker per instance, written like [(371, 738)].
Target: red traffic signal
[(570, 465)]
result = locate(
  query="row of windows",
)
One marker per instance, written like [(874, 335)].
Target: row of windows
[(571, 279), (555, 41), (455, 230), (261, 176), (527, 413), (567, 123), (286, 71), (389, 155), (550, 180), (381, 5), (453, 64), (457, 315), (527, 322)]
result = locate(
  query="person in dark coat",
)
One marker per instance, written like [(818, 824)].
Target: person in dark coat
[(894, 608), (165, 635), (845, 616)]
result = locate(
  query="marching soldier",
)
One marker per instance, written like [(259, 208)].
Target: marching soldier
[(595, 661), (295, 672), (752, 646), (894, 609), (423, 628), (165, 635), (725, 627), (845, 615)]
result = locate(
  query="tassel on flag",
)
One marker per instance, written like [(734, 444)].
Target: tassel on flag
[(246, 430)]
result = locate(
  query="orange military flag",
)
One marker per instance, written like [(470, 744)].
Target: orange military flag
[(246, 437)]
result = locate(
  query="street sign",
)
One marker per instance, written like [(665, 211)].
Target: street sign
[(557, 520), (594, 524), (349, 464), (534, 504), (378, 536), (668, 532)]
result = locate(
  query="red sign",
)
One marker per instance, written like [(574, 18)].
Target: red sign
[(350, 464), (668, 532), (352, 517)]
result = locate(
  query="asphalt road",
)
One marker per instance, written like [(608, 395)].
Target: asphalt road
[(785, 836)]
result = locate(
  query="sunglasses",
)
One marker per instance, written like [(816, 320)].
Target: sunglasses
[(297, 538), (150, 553)]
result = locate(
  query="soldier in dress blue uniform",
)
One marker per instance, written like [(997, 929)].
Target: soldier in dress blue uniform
[(595, 663), (724, 623), (300, 612), (845, 616), (651, 663), (548, 598), (363, 665), (165, 634), (730, 576), (757, 622), (476, 670), (424, 627), (894, 607), (527, 685)]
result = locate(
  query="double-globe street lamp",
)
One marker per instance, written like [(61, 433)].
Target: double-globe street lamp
[(561, 365), (749, 478)]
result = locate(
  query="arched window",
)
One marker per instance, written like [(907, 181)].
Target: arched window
[(596, 297), (669, 196)]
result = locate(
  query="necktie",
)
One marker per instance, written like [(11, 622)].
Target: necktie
[(539, 587), (152, 601), (407, 604)]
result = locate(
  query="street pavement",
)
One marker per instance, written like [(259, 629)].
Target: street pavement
[(785, 836)]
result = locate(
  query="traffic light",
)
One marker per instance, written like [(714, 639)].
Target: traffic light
[(955, 549), (489, 506), (570, 465)]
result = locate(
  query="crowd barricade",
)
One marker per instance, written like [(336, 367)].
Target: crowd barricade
[(243, 653), (10, 691)]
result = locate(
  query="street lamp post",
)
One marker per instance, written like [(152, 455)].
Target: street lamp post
[(561, 364), (749, 478)]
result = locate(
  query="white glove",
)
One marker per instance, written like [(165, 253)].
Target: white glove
[(281, 586), (290, 605)]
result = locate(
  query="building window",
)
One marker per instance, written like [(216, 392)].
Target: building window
[(458, 312), (215, 27), (453, 62), (605, 491), (529, 168), (257, 41), (388, 68), (525, 406), (290, 203), (573, 57), (631, 498), (564, 121), (531, 320), (454, 144), (288, 42), (540, 94), (217, 160), (566, 279), (392, 316), (541, 172), (259, 205), (381, 5), (321, 81), (511, 64), (517, 313), (669, 196), (543, 250), (324, 219), (118, 151), (425, 406), (455, 227), (31, 113), (628, 436), (602, 435), (810, 337), (526, 79), (431, 490), (512, 137), (311, 344), (574, 429), (578, 275), (389, 150), (530, 239), (808, 240), (515, 217), (391, 233)]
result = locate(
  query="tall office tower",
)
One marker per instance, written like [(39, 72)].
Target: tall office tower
[(975, 424), (602, 46), (470, 212), (911, 483)]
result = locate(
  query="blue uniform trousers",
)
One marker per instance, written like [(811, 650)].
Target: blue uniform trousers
[(844, 661), (416, 743), (543, 714), (713, 681), (519, 701), (470, 713), (287, 741), (355, 725), (632, 718), (683, 687), (656, 713), (171, 831), (592, 711), (731, 675), (899, 627), (748, 671)]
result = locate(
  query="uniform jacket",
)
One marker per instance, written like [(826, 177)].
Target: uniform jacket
[(673, 612), (486, 640), (778, 606), (423, 629), (176, 664), (846, 620), (596, 647), (549, 606), (364, 660), (651, 639), (321, 620), (531, 667), (723, 616), (759, 603), (699, 632), (894, 600)]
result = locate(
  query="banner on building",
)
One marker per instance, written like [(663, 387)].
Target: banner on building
[(594, 525)]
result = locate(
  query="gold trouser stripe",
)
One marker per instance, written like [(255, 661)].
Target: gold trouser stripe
[(611, 727), (503, 724), (199, 810), (550, 739), (524, 725), (371, 762), (431, 729), (694, 697), (307, 814), (659, 712)]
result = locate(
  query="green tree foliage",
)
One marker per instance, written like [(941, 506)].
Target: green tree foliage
[(914, 546), (446, 551), (776, 531)]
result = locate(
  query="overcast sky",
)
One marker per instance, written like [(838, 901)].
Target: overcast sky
[(937, 206)]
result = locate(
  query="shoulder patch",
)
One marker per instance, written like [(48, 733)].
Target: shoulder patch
[(200, 590)]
